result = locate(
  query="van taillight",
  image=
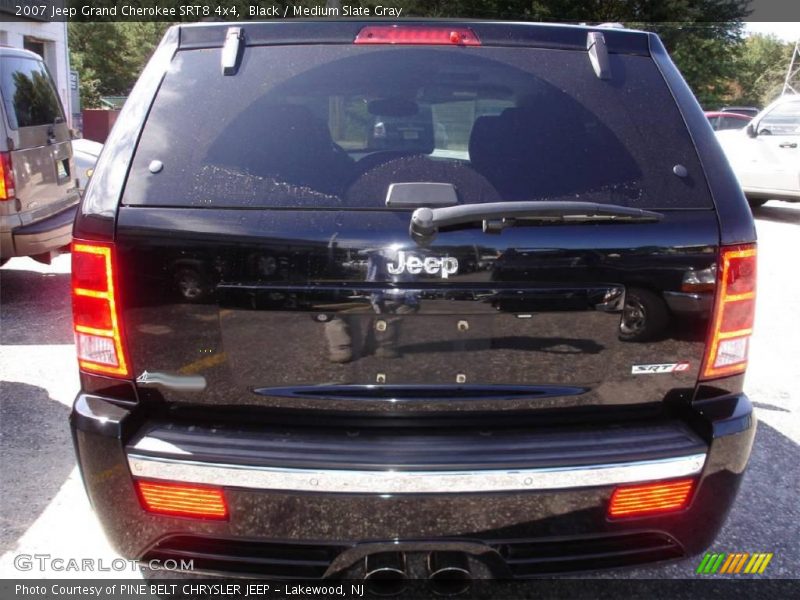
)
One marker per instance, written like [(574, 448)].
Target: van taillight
[(95, 310), (7, 186), (734, 310)]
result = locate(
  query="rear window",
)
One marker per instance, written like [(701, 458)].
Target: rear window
[(28, 93), (335, 126)]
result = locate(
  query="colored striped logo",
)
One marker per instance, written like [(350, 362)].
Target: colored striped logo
[(740, 562)]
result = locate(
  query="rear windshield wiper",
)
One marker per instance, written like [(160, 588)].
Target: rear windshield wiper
[(496, 216)]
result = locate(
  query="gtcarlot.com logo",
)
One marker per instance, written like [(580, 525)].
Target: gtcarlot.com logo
[(48, 562), (722, 563)]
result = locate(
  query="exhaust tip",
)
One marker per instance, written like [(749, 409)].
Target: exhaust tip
[(448, 573), (385, 573)]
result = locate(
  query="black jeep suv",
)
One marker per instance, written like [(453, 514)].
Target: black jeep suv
[(507, 340)]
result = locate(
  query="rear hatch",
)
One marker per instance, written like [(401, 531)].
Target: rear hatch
[(38, 136), (265, 250)]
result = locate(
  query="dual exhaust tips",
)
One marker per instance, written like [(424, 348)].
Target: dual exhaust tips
[(448, 573)]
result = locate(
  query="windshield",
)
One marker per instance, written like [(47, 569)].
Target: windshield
[(335, 126)]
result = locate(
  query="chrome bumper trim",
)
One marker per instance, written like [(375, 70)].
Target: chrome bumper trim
[(411, 482)]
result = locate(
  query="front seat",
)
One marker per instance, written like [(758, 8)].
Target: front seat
[(293, 147)]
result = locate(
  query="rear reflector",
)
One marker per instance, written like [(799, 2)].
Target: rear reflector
[(651, 498), (696, 282), (734, 311), (181, 500), (417, 35), (7, 185), (95, 310)]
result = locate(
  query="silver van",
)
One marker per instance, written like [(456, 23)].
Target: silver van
[(38, 191)]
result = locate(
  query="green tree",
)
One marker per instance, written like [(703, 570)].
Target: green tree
[(89, 80), (110, 55), (760, 70)]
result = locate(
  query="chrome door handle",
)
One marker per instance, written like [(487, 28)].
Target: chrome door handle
[(788, 145)]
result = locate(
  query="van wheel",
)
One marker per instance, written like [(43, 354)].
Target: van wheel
[(756, 202), (644, 317)]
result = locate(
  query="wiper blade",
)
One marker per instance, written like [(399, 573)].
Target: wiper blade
[(496, 216)]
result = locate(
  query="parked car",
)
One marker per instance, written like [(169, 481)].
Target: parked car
[(397, 362), (765, 155), (38, 195), (85, 153), (749, 111), (727, 120), (402, 132)]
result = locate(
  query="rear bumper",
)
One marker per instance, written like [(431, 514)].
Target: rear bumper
[(413, 482), (520, 521), (46, 235)]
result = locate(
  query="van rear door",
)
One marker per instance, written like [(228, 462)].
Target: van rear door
[(39, 137)]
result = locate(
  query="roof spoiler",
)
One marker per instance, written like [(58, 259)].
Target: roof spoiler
[(232, 50), (598, 54)]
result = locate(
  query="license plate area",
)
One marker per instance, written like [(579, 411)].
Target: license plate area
[(417, 337), (62, 170)]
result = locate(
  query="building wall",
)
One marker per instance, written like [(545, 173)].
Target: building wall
[(56, 55)]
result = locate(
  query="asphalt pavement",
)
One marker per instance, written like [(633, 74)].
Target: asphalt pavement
[(44, 510)]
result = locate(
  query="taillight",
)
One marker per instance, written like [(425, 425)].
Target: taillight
[(650, 498), (180, 500), (734, 311), (95, 310), (7, 186), (417, 35)]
